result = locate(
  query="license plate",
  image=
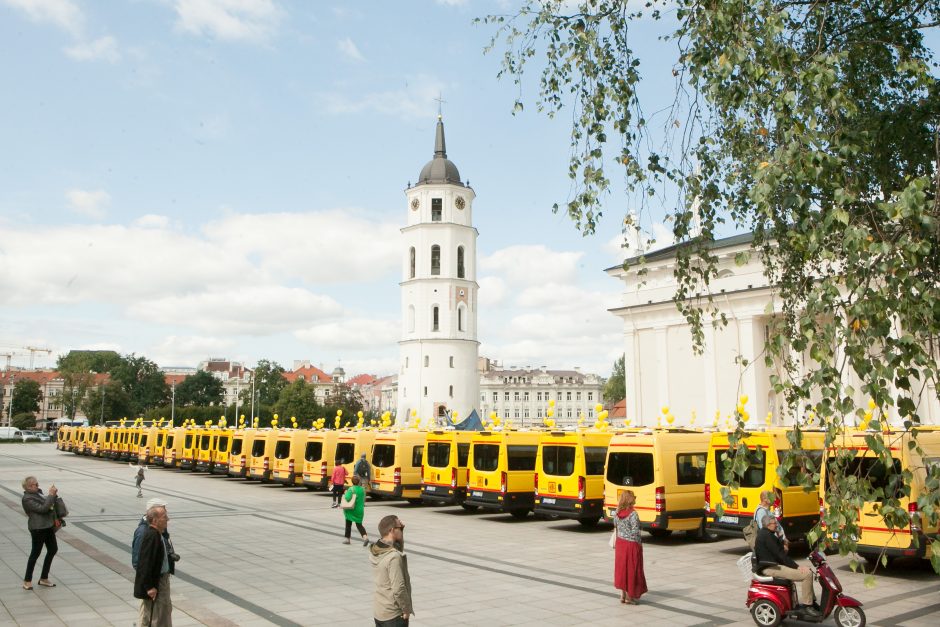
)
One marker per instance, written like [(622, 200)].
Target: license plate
[(551, 486), (430, 488), (548, 501), (476, 493), (375, 485), (729, 519)]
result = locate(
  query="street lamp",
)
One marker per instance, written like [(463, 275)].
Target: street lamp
[(10, 406), (172, 404), (102, 404)]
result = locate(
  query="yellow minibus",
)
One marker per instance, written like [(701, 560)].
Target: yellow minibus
[(190, 440), (502, 471), (397, 459), (569, 474), (287, 464), (319, 455), (446, 454), (221, 451), (260, 454), (796, 509), (242, 442), (175, 440), (350, 445)]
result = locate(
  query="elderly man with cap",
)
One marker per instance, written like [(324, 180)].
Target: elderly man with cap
[(142, 527)]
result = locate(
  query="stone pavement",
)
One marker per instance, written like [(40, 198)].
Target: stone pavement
[(256, 554)]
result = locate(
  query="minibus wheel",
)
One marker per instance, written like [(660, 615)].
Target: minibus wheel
[(702, 534)]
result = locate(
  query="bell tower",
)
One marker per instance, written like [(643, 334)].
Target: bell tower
[(438, 348)]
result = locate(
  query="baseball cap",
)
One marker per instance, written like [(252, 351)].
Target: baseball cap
[(156, 502)]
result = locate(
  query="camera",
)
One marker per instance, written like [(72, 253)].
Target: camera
[(174, 557)]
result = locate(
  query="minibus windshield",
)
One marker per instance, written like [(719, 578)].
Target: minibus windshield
[(485, 457), (206, 441), (345, 452), (635, 469), (160, 438), (872, 469), (463, 454), (438, 454), (690, 468), (558, 461), (314, 451), (753, 477), (282, 449), (383, 455), (169, 441)]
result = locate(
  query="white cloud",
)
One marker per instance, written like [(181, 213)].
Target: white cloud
[(89, 203), (352, 333), (493, 291), (189, 349), (348, 48), (452, 3), (62, 13), (532, 265), (152, 221), (103, 48), (239, 310), (413, 101), (231, 20), (663, 235)]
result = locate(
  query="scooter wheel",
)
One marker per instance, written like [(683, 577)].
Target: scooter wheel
[(850, 617), (766, 613)]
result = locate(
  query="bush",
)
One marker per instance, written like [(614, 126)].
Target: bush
[(25, 420)]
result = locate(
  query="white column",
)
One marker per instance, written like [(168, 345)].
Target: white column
[(710, 375), (662, 370), (631, 378)]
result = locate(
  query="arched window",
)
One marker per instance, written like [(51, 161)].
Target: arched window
[(412, 274), (411, 317), (460, 269), (435, 318), (460, 318), (451, 391), (435, 260)]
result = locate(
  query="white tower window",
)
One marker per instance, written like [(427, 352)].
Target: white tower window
[(460, 318), (450, 391), (435, 318), (436, 209), (412, 271), (435, 260), (411, 318), (427, 361), (460, 265), (451, 361)]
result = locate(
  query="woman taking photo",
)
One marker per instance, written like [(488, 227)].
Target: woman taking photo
[(40, 511), (628, 559)]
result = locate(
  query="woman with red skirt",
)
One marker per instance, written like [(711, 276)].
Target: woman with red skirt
[(628, 557)]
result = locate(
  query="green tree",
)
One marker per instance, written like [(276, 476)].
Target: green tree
[(200, 388), (815, 126), (107, 402), (615, 390), (27, 396), (142, 381), (299, 400), (77, 369), (269, 381), (25, 420)]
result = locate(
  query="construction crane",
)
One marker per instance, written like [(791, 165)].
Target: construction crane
[(32, 352), (9, 357)]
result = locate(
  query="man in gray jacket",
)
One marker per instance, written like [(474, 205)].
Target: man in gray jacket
[(392, 601)]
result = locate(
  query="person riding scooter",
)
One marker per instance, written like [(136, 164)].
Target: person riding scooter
[(769, 550)]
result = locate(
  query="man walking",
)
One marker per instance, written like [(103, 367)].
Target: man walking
[(142, 527), (139, 478), (363, 470), (152, 582), (392, 601)]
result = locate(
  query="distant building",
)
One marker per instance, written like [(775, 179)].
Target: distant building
[(235, 377), (322, 383), (522, 395), (379, 394), (51, 385)]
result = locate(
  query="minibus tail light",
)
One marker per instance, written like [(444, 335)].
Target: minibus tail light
[(266, 464), (503, 482), (290, 466), (708, 497), (323, 468), (915, 517), (660, 500), (778, 503), (396, 476), (581, 488), (822, 513), (536, 484), (453, 477), (243, 461)]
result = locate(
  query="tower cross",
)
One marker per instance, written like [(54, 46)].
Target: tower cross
[(440, 101)]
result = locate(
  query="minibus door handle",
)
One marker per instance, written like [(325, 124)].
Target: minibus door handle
[(744, 501)]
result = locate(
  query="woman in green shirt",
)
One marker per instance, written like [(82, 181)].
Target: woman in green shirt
[(355, 513)]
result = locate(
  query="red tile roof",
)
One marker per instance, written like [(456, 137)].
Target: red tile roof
[(309, 374), (619, 410), (362, 379)]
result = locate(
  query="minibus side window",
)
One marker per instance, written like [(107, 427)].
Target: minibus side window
[(690, 468), (205, 443), (799, 467), (558, 461), (634, 469), (594, 457), (417, 456), (485, 457), (383, 455), (223, 443), (236, 446), (872, 469), (438, 454), (314, 451), (521, 457), (345, 452), (463, 453), (188, 442), (282, 449), (753, 476), (257, 447)]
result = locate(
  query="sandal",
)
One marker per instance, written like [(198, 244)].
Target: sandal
[(46, 583), (27, 585), (623, 597)]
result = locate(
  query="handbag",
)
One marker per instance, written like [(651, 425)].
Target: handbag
[(613, 539), (61, 511), (351, 503)]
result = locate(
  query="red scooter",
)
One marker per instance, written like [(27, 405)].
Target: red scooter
[(771, 600)]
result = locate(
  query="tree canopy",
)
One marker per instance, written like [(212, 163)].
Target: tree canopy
[(813, 125), (615, 390), (27, 396), (200, 388)]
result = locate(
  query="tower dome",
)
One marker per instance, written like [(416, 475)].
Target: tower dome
[(440, 169)]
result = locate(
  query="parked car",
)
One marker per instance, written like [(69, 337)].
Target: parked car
[(43, 436), (29, 436)]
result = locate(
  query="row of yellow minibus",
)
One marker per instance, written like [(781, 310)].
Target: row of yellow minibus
[(575, 474)]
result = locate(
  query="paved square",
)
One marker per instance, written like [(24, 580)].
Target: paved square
[(256, 554)]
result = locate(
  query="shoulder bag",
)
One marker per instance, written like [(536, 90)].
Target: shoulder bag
[(351, 503)]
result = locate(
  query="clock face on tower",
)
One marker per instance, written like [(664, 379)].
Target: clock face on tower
[(460, 202), (415, 203)]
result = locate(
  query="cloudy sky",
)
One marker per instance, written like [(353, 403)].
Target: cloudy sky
[(193, 178)]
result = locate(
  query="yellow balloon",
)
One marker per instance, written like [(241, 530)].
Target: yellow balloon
[(359, 414), (339, 412), (598, 408), (551, 403), (550, 413)]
